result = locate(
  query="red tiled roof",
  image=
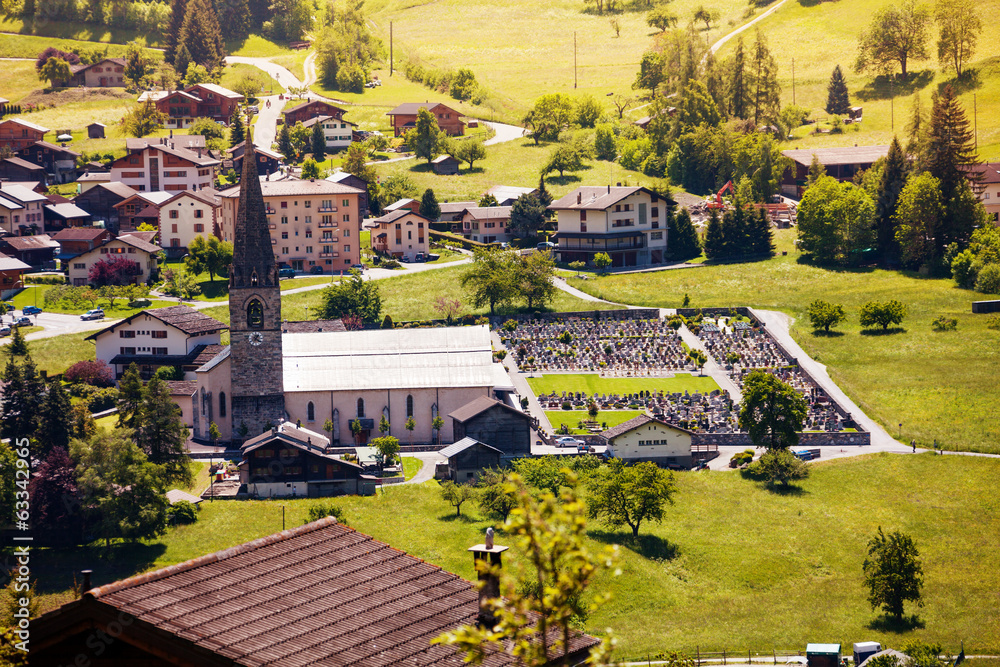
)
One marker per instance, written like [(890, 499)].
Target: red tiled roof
[(185, 318), (79, 233)]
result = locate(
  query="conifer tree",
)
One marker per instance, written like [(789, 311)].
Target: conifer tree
[(161, 433), (838, 100), (234, 18), (950, 151), (916, 132), (182, 60), (761, 235), (22, 397), (285, 146), (738, 92), (715, 242), (129, 397), (318, 142), (55, 419), (237, 134), (886, 198), (543, 196), (429, 207), (816, 171), (173, 31), (682, 236), (766, 93), (201, 34)]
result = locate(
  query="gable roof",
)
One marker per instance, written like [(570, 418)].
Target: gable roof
[(79, 233), (12, 264), (479, 406), (294, 186), (36, 242), (488, 212), (21, 193), (215, 88), (838, 155), (55, 147), (66, 211), (308, 103), (115, 187), (505, 192), (456, 206), (441, 159), (411, 108), (296, 436), (635, 423), (322, 119), (184, 318), (184, 141), (596, 197), (20, 121), (140, 244), (321, 594), (76, 69), (398, 214), (462, 445), (24, 164), (399, 204)]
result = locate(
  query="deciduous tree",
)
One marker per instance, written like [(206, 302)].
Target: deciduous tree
[(780, 466), (881, 313), (527, 216), (352, 296), (456, 494), (772, 411), (492, 278), (918, 219), (824, 314), (388, 449), (425, 138), (469, 150), (960, 26), (621, 494), (211, 255), (897, 34), (549, 115), (142, 119), (661, 18), (56, 71), (893, 572)]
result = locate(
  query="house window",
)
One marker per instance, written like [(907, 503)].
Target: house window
[(173, 215), (199, 213), (199, 228), (126, 334), (361, 408), (308, 203), (284, 218), (409, 406), (310, 412), (173, 228), (159, 334), (656, 236), (127, 350), (284, 235), (222, 404), (284, 204)]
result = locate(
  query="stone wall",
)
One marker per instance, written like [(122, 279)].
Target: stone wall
[(831, 439), (631, 314)]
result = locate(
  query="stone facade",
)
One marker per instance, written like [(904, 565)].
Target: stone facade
[(258, 399)]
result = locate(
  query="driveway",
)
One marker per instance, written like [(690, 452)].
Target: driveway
[(426, 473)]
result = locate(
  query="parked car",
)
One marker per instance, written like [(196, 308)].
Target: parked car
[(286, 272), (23, 321), (359, 267), (569, 441), (94, 314), (31, 310), (545, 246), (316, 268), (5, 330), (7, 307), (420, 257)]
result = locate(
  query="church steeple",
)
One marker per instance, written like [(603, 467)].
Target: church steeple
[(256, 373), (253, 256)]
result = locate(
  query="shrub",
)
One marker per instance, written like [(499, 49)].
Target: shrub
[(942, 323), (565, 338), (965, 269), (988, 280), (351, 79), (170, 373), (566, 405), (390, 264), (181, 513), (102, 399), (96, 373), (323, 510), (483, 320), (510, 325), (993, 322), (739, 458)]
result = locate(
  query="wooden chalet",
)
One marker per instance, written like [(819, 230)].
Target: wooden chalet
[(303, 111), (318, 595), (496, 424), (100, 199), (58, 161), (842, 163), (404, 118), (16, 133), (445, 165), (107, 73), (468, 457)]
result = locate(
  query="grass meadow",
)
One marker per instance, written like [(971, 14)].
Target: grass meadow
[(54, 355), (34, 295), (826, 34), (733, 566), (592, 383), (572, 417), (938, 385)]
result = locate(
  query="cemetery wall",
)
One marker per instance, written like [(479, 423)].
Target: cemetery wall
[(630, 314), (826, 439)]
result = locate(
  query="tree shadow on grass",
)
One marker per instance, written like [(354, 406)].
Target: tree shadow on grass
[(463, 518), (822, 333), (563, 180), (889, 623), (422, 167), (211, 289), (647, 546), (785, 490), (891, 331), (471, 170), (56, 569), (968, 82), (884, 86)]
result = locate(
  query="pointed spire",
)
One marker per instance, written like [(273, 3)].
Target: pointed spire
[(253, 256)]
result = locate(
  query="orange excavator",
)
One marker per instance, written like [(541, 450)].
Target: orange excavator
[(718, 204)]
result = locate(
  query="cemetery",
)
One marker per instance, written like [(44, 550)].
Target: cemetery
[(582, 357)]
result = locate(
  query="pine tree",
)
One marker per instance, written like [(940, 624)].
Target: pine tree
[(682, 236), (237, 134), (285, 146), (761, 235), (429, 207), (887, 197), (22, 397), (55, 419), (544, 198), (715, 242), (129, 397), (170, 36), (161, 433), (234, 18), (838, 100), (318, 141), (916, 132), (950, 151), (738, 91), (816, 171), (201, 35), (182, 60), (766, 92)]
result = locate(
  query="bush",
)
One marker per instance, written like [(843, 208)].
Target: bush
[(483, 320), (103, 399), (993, 322), (93, 372), (942, 323), (739, 458), (323, 510), (182, 513), (965, 269), (170, 373), (390, 264), (566, 405), (510, 325), (988, 281), (351, 79)]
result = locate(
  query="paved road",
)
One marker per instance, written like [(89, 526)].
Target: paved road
[(718, 45), (426, 473)]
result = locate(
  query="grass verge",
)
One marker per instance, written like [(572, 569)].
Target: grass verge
[(592, 383)]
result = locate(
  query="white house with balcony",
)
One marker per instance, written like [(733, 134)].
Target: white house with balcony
[(173, 336), (186, 215), (627, 223), (170, 164), (337, 131)]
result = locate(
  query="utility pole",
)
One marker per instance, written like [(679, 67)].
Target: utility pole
[(892, 106), (975, 129), (390, 48), (793, 81), (574, 59)]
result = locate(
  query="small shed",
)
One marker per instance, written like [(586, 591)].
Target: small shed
[(175, 496), (95, 131), (467, 458), (823, 655), (864, 650), (445, 165)]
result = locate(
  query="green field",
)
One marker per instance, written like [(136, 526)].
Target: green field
[(819, 35), (236, 71), (732, 567), (592, 383), (938, 385), (572, 417), (33, 295), (54, 355)]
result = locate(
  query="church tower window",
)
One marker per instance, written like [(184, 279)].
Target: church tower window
[(255, 314)]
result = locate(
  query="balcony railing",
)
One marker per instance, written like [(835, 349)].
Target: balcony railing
[(327, 225), (269, 211), (327, 209)]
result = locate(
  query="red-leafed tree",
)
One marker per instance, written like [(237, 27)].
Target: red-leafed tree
[(94, 371), (115, 270), (53, 52), (54, 499)]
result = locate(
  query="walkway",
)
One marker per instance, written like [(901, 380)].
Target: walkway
[(718, 45), (426, 472)]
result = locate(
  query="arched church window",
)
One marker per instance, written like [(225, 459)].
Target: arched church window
[(361, 407), (310, 412), (255, 314), (409, 405), (222, 404)]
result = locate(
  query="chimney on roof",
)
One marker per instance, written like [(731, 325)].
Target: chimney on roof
[(579, 197), (609, 188), (171, 134), (487, 561), (86, 581), (199, 151)]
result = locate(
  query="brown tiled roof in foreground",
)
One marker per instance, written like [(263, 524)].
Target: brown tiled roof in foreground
[(320, 594)]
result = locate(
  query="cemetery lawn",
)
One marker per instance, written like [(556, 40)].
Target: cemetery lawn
[(729, 568), (593, 383), (938, 385), (572, 417)]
